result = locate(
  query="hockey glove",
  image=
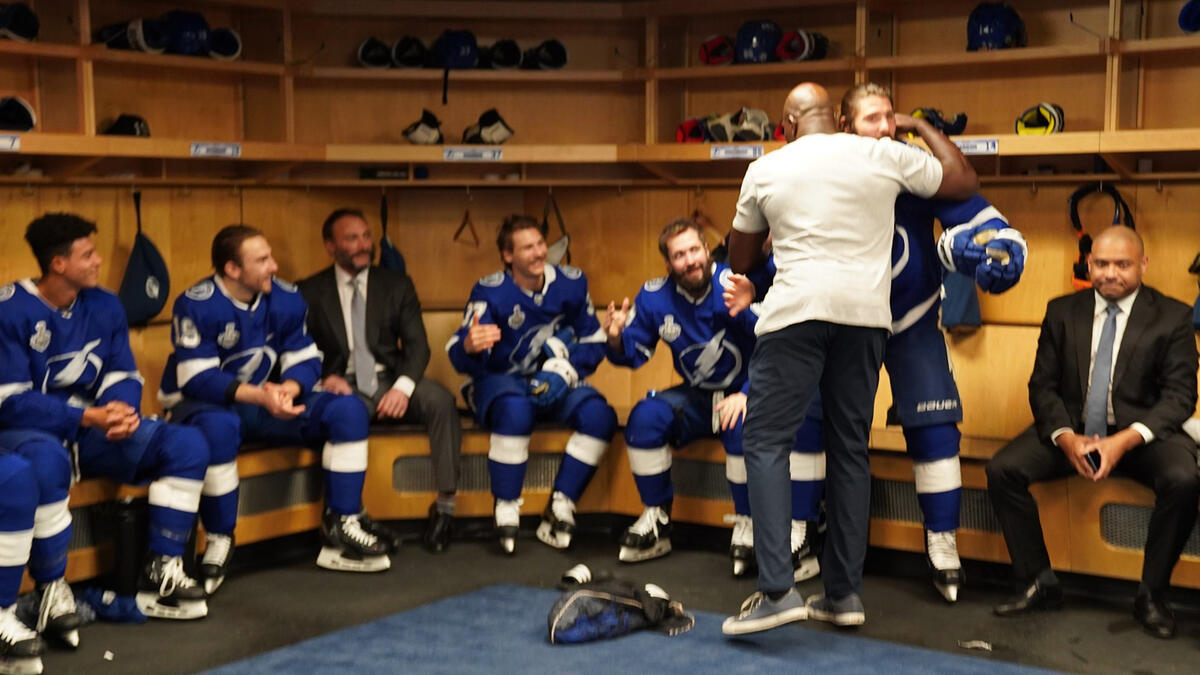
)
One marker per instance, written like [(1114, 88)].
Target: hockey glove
[(552, 383), (559, 345), (1005, 263)]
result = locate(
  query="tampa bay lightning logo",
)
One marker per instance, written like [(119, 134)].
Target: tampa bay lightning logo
[(528, 351), (251, 366), (711, 365), (78, 369)]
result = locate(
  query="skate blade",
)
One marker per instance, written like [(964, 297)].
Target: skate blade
[(809, 568), (24, 665), (149, 604), (547, 535), (211, 584), (508, 545), (69, 638), (331, 558), (948, 591), (632, 554)]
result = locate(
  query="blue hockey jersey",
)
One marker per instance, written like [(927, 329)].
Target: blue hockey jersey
[(57, 362), (916, 270), (710, 349), (219, 340), (527, 320)]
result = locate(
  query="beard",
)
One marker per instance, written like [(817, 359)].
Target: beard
[(698, 287)]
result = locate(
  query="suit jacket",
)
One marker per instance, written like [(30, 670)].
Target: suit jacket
[(395, 332), (1154, 377)]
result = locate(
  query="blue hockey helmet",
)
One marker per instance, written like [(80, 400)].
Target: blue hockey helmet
[(455, 49), (1189, 16), (757, 41), (994, 25)]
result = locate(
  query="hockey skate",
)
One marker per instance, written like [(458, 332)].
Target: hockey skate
[(805, 564), (349, 547), (508, 521), (20, 648), (741, 544), (57, 616), (390, 537), (558, 522), (218, 550), (648, 537), (941, 550), (165, 591)]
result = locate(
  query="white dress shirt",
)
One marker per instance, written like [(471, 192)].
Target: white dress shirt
[(1099, 315), (345, 296)]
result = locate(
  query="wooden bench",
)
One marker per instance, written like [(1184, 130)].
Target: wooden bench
[(991, 366)]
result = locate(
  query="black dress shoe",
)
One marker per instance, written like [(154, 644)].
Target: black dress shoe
[(1156, 618), (437, 533), (1037, 596)]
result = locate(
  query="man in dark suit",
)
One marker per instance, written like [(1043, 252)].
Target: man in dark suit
[(367, 321), (1113, 381)]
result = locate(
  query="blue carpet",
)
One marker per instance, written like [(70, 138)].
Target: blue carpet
[(502, 629)]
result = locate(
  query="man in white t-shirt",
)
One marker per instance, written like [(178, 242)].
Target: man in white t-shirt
[(827, 199)]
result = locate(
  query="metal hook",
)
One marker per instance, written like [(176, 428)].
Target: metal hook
[(185, 191), (469, 197), (1033, 187), (1089, 31), (75, 191), (1159, 187), (235, 190), (28, 191)]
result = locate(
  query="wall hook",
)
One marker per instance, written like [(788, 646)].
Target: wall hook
[(1159, 187), (75, 191), (1033, 187), (1089, 31), (28, 191)]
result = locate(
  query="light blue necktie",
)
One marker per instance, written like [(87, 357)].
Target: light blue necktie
[(1095, 420), (364, 363)]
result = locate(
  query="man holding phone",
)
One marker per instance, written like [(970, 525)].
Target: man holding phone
[(1113, 381)]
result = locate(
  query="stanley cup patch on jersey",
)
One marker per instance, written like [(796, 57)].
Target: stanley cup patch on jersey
[(188, 334), (229, 337), (669, 330), (40, 339), (517, 318)]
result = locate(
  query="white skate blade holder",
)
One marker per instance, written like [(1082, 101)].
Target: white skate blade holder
[(332, 558), (25, 665), (632, 554), (152, 606), (547, 535), (809, 568)]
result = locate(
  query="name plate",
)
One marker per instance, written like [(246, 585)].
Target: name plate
[(10, 143), (472, 154), (226, 150), (978, 146), (735, 152)]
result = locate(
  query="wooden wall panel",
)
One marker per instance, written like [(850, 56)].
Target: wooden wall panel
[(590, 44), (993, 96), (940, 27), (1169, 96), (378, 111), (176, 104)]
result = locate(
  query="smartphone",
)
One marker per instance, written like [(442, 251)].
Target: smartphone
[(1093, 460)]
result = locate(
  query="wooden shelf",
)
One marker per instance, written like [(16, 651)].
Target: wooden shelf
[(1165, 45), (743, 71), (1150, 140), (541, 154), (76, 145), (514, 76), (41, 50), (101, 54), (991, 57)]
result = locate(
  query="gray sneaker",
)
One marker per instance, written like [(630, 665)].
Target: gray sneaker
[(845, 612), (759, 612)]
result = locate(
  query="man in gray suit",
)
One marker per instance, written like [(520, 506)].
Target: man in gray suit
[(367, 321)]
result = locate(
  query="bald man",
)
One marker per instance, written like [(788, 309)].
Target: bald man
[(827, 199), (1113, 382)]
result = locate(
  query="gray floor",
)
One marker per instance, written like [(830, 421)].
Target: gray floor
[(262, 609)]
